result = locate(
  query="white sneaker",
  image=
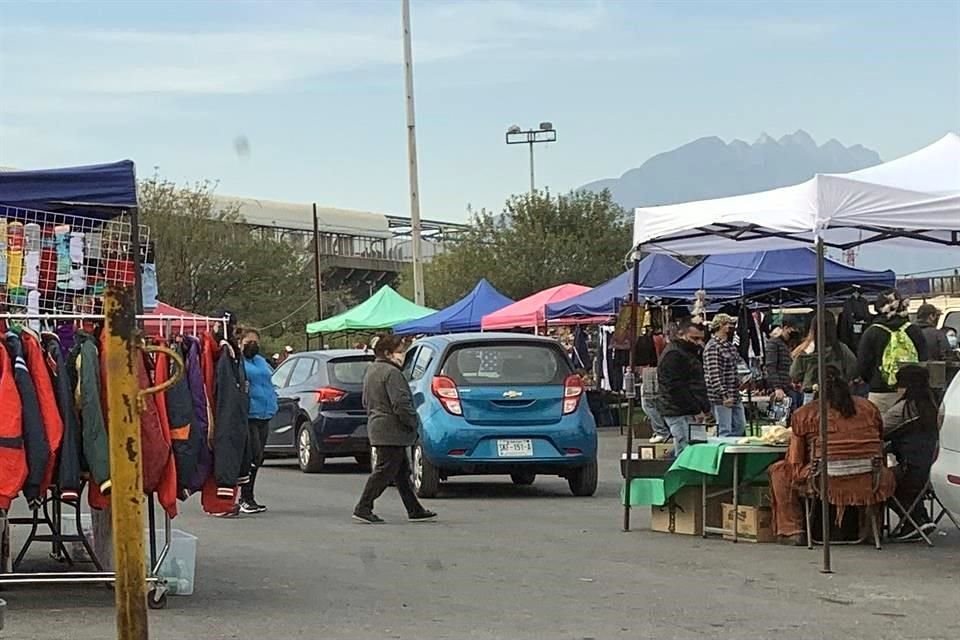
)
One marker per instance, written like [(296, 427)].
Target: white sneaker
[(658, 439)]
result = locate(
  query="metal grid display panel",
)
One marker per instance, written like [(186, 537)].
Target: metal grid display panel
[(56, 263)]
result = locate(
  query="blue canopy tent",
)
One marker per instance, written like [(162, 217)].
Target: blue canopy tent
[(463, 315), (99, 191), (749, 275), (656, 270)]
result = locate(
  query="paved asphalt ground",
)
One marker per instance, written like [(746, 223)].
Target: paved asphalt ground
[(508, 562)]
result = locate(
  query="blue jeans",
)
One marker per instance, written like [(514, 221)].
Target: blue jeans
[(680, 430), (731, 421), (657, 422)]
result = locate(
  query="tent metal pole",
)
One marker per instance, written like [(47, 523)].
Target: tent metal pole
[(822, 408), (630, 387)]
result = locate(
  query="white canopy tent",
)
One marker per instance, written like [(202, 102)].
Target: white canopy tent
[(908, 201)]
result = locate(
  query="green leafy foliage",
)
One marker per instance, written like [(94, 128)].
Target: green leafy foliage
[(207, 261)]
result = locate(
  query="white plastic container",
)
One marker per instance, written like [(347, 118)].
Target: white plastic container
[(179, 568)]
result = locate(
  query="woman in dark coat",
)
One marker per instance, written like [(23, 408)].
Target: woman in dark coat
[(392, 428)]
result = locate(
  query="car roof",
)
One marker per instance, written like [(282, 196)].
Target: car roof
[(492, 336), (330, 354)]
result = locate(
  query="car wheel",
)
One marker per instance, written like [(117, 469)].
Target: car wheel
[(365, 461), (307, 455), (426, 477), (523, 479), (583, 481)]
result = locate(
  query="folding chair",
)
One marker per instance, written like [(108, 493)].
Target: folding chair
[(867, 466)]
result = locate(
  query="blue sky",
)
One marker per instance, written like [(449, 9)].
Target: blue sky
[(317, 88)]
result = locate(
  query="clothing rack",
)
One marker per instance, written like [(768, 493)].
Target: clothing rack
[(49, 514)]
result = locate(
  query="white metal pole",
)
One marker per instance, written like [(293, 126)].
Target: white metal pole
[(415, 229)]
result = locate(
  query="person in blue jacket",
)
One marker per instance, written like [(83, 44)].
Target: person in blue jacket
[(263, 406)]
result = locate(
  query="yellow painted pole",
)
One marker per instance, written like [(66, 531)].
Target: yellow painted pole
[(123, 425)]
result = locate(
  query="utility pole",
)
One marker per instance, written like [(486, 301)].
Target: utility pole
[(415, 228), (318, 269)]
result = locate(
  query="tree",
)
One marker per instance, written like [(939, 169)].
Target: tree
[(208, 260), (536, 242)]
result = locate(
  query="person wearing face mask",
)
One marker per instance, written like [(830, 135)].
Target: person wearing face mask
[(263, 406), (682, 392), (392, 426), (720, 360), (938, 347), (952, 342)]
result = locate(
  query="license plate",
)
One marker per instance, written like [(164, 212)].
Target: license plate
[(515, 448)]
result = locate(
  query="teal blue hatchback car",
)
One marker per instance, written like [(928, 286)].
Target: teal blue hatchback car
[(499, 404)]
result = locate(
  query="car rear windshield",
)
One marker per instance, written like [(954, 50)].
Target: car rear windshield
[(506, 364), (348, 370)]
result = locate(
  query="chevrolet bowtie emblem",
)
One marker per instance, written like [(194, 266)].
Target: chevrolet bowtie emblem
[(512, 394)]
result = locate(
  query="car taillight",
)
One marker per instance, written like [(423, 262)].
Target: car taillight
[(572, 392), (328, 395), (952, 479), (446, 391)]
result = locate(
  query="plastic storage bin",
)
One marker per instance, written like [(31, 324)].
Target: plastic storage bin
[(179, 568)]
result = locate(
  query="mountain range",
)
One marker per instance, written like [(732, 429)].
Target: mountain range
[(711, 168)]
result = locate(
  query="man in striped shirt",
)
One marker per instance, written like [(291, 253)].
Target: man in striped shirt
[(720, 360)]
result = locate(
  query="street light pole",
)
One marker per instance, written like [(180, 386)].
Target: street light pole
[(545, 133), (415, 228)]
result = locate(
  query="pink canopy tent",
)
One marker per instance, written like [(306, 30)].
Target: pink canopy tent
[(153, 324), (529, 313)]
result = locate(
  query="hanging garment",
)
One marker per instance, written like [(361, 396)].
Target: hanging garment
[(34, 435), (148, 286), (645, 354), (155, 448), (70, 467), (581, 349), (201, 413), (231, 454), (61, 239), (96, 452), (14, 255), (78, 277), (96, 280), (13, 456), (3, 251), (185, 437), (31, 256), (48, 261), (208, 356), (167, 485), (33, 308), (47, 399)]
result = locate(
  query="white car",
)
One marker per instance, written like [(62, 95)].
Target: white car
[(945, 474)]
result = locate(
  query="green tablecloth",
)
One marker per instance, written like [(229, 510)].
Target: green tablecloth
[(693, 463)]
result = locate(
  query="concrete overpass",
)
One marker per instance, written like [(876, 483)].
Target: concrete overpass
[(359, 250)]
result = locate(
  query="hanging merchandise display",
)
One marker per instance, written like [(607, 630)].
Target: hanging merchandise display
[(61, 263)]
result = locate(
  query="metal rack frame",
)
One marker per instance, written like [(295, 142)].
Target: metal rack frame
[(157, 587)]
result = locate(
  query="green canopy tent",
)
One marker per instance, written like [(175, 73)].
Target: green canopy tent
[(383, 310)]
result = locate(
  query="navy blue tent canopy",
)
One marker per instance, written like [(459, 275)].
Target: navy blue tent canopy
[(462, 316), (745, 275), (101, 191), (656, 270)]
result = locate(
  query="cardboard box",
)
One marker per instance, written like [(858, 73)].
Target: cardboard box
[(754, 524), (683, 514)]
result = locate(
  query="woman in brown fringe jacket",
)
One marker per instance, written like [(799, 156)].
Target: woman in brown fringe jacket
[(855, 429)]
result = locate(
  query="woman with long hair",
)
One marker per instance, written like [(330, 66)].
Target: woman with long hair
[(804, 370), (263, 406), (910, 426), (855, 439)]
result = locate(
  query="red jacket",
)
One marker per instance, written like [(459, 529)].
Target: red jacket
[(13, 457), (154, 448), (49, 411), (167, 489)]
